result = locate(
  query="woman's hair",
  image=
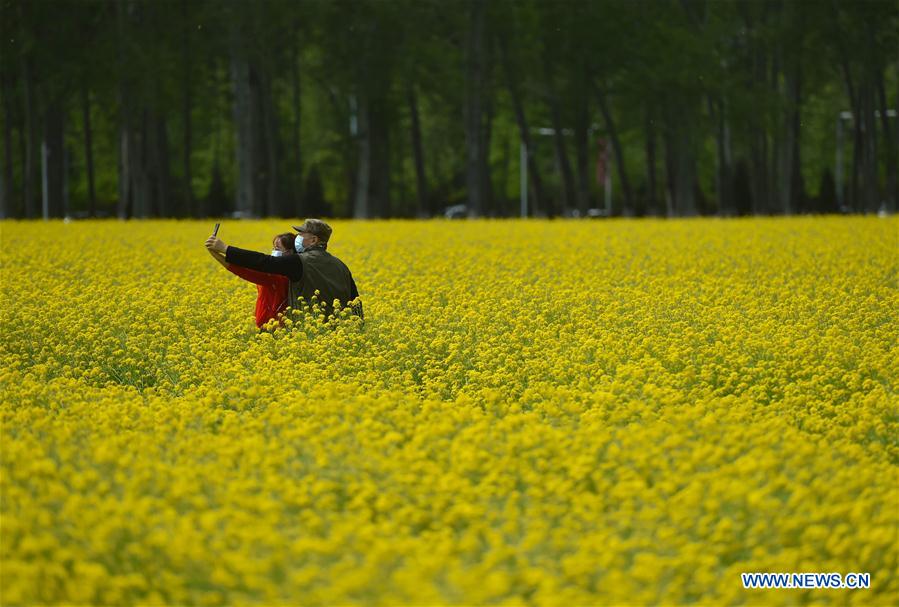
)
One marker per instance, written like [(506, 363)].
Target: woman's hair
[(286, 241)]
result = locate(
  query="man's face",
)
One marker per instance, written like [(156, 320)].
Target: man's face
[(309, 239)]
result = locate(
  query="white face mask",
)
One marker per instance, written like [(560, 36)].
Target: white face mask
[(276, 253), (298, 243)]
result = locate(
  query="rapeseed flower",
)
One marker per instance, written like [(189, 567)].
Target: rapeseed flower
[(635, 415)]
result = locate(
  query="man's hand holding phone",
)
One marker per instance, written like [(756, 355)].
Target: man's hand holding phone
[(214, 244)]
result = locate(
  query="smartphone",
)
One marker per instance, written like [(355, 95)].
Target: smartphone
[(215, 232)]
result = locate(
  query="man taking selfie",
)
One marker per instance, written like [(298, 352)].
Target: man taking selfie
[(313, 268)]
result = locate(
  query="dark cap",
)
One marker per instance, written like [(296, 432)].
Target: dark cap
[(317, 227)]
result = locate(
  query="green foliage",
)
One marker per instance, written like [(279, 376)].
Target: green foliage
[(669, 71)]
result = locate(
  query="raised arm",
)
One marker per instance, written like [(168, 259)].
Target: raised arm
[(289, 266), (218, 257), (259, 278)]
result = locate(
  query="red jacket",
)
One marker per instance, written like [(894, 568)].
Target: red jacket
[(272, 292)]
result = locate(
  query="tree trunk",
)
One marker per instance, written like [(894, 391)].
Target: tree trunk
[(53, 162), (380, 181), (685, 175), (143, 170), (474, 108), (363, 164), (628, 206), (670, 154), (855, 198), (759, 150), (140, 188), (275, 204), (22, 149), (523, 132), (123, 206), (795, 134), (868, 157), (6, 191), (582, 153), (889, 143), (417, 154), (28, 185), (868, 121), (759, 168), (786, 139), (730, 184), (486, 134), (373, 181), (245, 148), (66, 171), (568, 189), (161, 178), (190, 208), (127, 148), (502, 207), (853, 95), (297, 156), (652, 207), (790, 51), (722, 162), (215, 200), (779, 147), (88, 150), (681, 159)]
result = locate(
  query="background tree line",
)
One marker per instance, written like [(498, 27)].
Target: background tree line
[(398, 108)]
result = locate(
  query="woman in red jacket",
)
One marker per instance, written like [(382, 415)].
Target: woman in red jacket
[(271, 289)]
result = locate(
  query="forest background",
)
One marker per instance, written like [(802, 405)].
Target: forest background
[(402, 108)]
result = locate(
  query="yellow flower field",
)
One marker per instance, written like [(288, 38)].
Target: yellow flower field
[(533, 413)]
